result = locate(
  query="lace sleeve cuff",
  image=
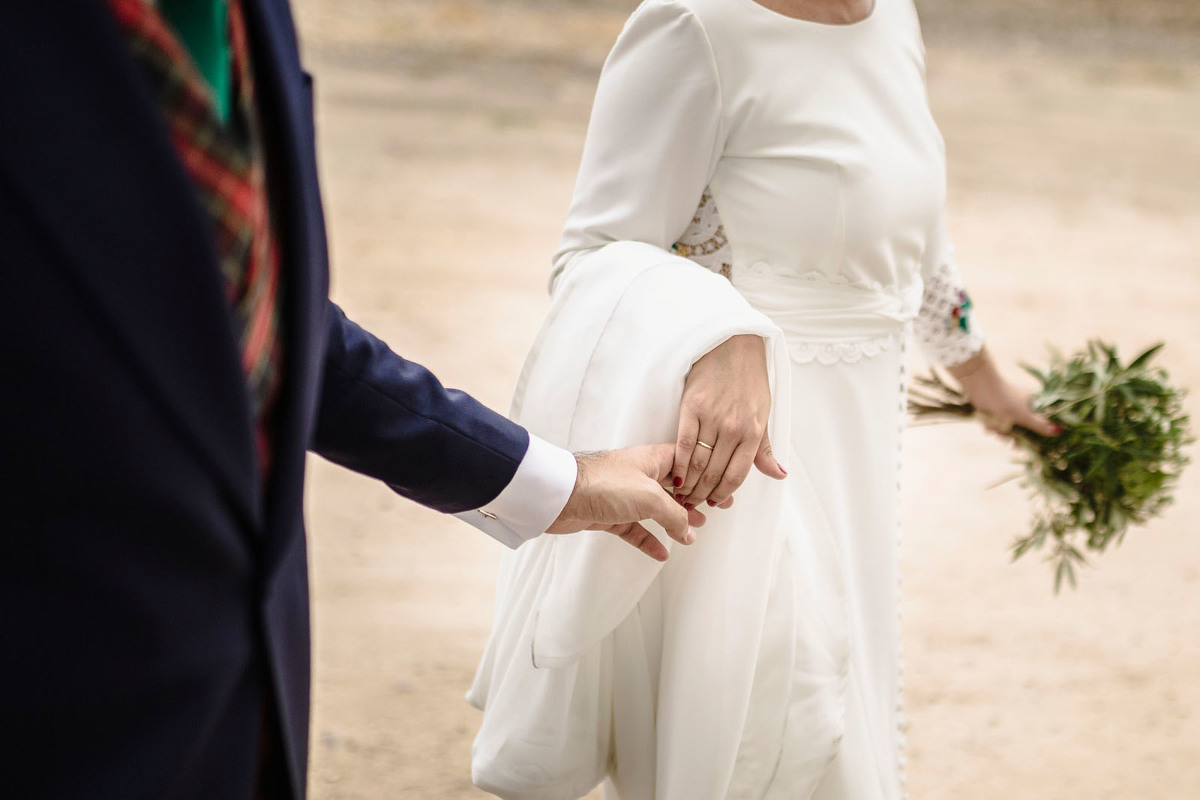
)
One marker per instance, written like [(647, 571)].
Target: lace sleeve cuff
[(946, 326)]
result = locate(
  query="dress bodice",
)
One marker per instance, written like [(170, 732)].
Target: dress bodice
[(798, 158), (831, 163)]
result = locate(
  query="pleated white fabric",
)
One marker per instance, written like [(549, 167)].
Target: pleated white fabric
[(599, 656)]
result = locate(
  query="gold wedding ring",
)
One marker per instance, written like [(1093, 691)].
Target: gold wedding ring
[(705, 445)]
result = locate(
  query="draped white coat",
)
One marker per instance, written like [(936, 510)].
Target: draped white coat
[(598, 653)]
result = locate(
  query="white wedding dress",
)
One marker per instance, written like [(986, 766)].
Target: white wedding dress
[(744, 172)]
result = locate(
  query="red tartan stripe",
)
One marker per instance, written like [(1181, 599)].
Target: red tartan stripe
[(227, 166), (159, 42), (262, 324), (209, 171), (262, 445), (140, 16)]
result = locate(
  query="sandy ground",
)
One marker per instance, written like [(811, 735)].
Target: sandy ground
[(449, 135)]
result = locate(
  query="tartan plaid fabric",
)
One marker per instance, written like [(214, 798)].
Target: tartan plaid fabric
[(227, 163)]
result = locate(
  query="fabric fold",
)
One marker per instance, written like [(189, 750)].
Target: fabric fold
[(590, 633)]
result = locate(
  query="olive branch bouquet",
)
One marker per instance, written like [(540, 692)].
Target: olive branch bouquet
[(1116, 463)]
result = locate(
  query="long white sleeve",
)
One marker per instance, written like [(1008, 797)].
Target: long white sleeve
[(946, 326), (654, 136)]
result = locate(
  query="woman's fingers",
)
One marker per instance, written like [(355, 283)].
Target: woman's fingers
[(766, 462), (735, 473), (702, 455), (1038, 423), (726, 445), (1019, 413), (685, 445)]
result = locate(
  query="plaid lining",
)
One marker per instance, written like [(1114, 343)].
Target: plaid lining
[(227, 164)]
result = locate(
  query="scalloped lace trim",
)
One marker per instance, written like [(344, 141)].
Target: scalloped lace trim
[(808, 351)]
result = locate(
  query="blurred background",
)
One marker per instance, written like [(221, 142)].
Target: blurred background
[(449, 134)]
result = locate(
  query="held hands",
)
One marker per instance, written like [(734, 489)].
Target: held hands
[(722, 434), (723, 424), (1001, 404), (614, 490)]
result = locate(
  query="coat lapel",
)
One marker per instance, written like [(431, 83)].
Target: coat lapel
[(84, 143), (285, 99)]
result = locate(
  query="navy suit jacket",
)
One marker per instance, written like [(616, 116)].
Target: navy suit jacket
[(152, 592)]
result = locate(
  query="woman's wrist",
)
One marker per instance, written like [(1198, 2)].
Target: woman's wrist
[(978, 370)]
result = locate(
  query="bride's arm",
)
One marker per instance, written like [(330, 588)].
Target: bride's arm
[(657, 130), (653, 140), (951, 336)]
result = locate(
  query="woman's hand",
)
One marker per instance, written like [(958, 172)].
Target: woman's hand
[(1001, 404), (723, 424)]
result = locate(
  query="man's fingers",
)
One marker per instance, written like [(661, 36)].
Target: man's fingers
[(643, 540), (667, 513), (735, 474), (766, 462), (659, 463)]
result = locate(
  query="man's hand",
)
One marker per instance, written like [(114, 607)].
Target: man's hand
[(614, 491)]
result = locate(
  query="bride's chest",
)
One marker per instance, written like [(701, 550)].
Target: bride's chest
[(834, 164)]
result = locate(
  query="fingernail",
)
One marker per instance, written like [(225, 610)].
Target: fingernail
[(678, 481), (678, 498), (1058, 430), (781, 469), (711, 503), (688, 506)]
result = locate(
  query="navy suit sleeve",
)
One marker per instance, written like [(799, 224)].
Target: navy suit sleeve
[(392, 419)]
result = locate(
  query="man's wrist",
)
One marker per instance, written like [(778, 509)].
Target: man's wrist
[(543, 485), (572, 511)]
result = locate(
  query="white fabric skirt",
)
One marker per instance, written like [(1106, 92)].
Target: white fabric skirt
[(762, 661), (847, 425)]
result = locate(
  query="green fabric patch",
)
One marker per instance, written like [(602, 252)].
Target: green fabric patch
[(202, 27)]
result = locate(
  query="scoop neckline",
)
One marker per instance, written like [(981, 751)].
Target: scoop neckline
[(814, 23)]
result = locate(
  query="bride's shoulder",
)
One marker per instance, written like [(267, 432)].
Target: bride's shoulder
[(709, 14), (710, 19)]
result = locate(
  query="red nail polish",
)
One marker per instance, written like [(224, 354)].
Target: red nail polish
[(688, 506), (1058, 430), (781, 469), (678, 498), (678, 481), (711, 503)]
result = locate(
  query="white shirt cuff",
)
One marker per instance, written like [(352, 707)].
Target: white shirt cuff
[(534, 497)]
